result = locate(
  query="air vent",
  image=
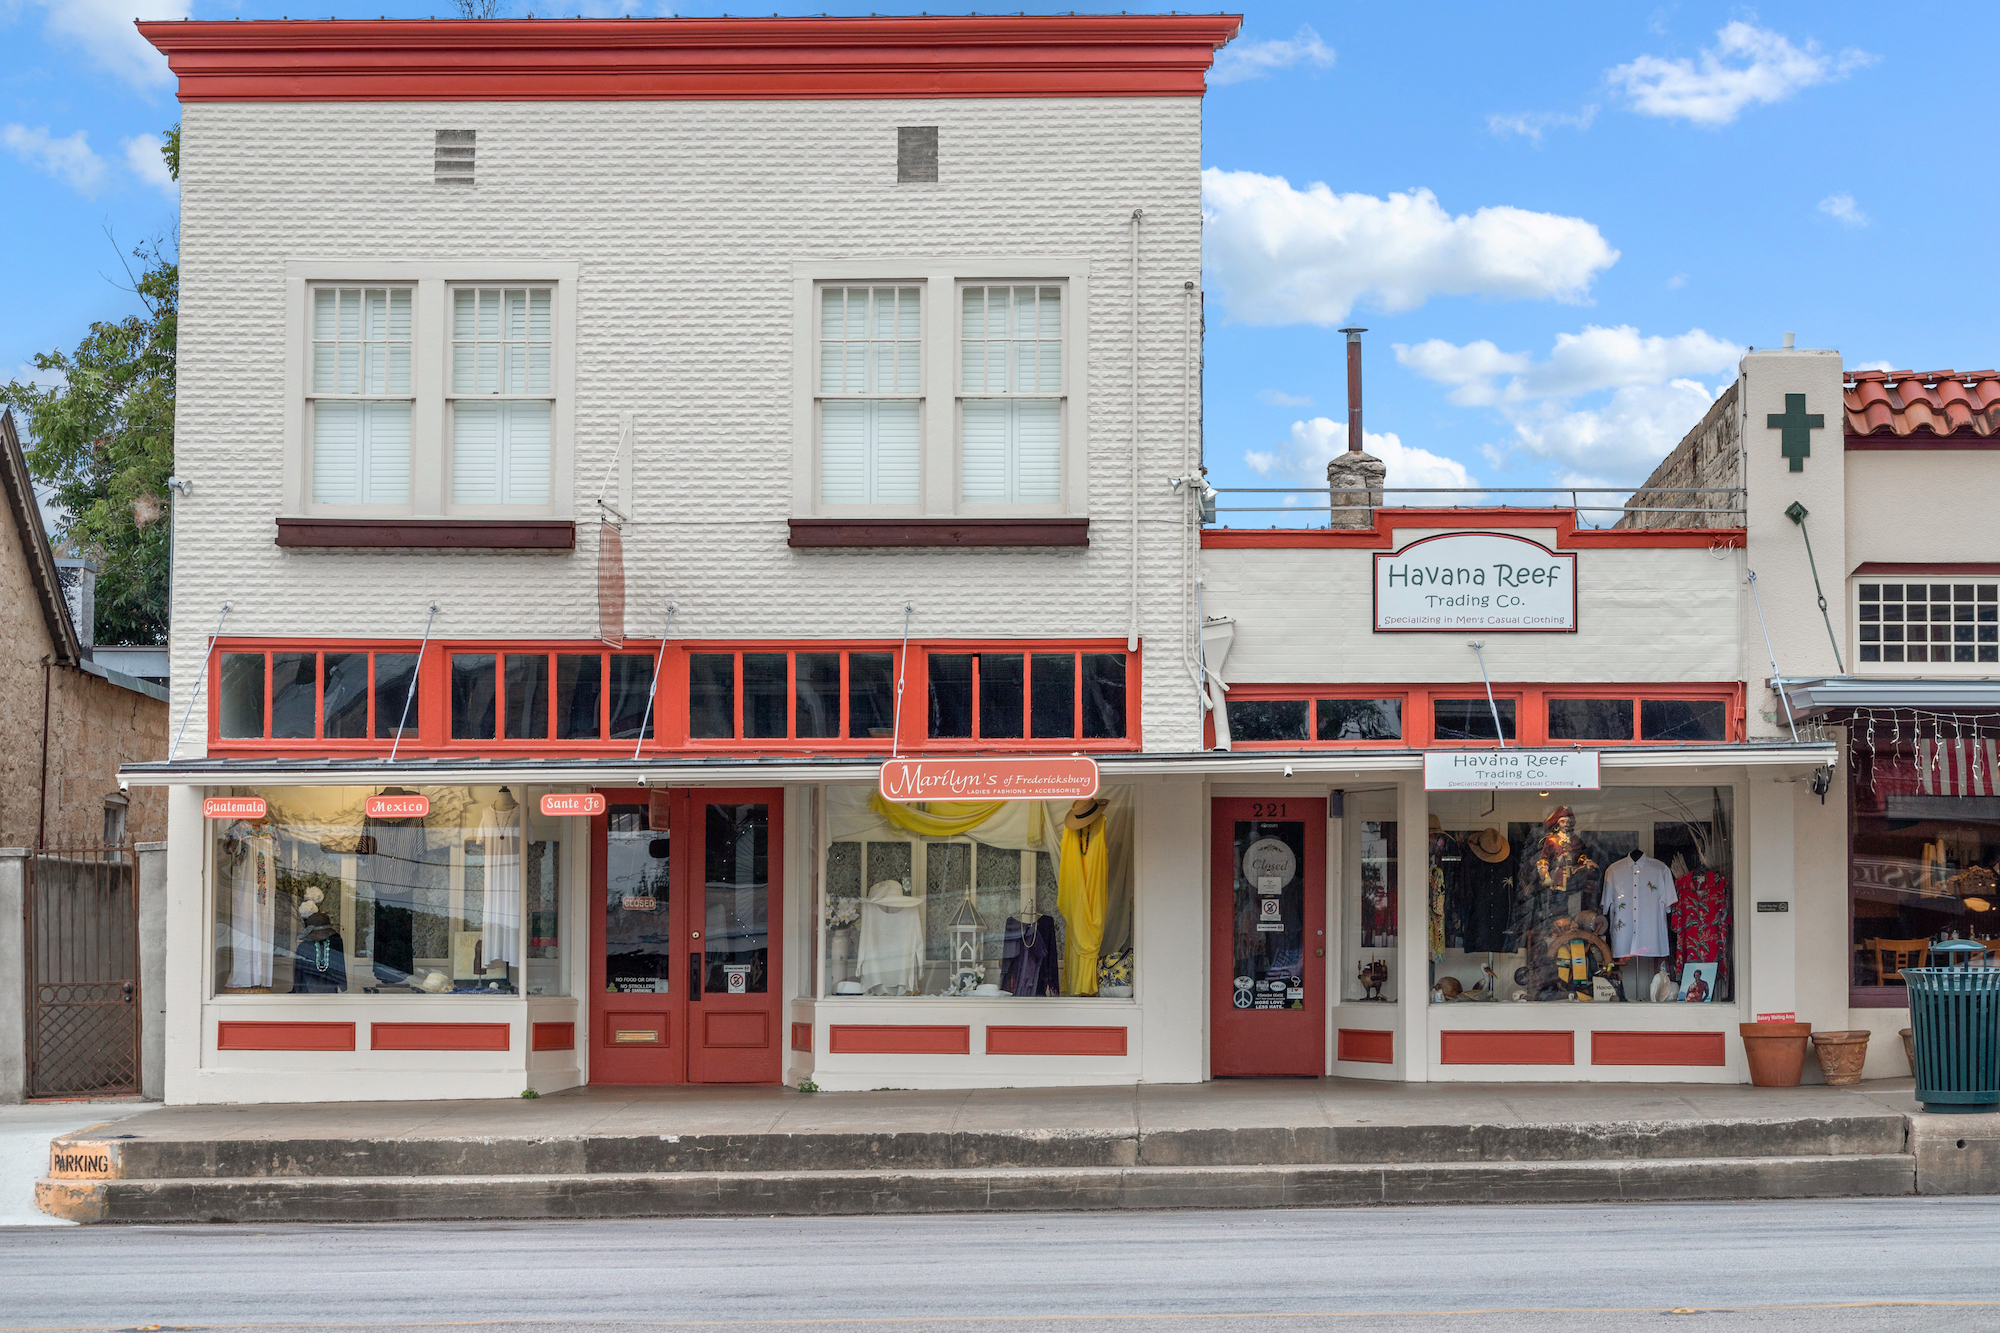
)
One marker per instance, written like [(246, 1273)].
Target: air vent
[(453, 163), (916, 153)]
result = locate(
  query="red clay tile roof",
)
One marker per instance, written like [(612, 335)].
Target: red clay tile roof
[(1940, 402)]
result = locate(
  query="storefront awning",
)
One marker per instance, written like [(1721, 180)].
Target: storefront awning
[(1832, 695), (781, 770)]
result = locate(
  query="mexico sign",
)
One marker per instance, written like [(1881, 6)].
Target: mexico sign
[(1490, 582)]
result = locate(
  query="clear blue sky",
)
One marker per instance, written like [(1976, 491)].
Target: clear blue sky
[(1560, 222)]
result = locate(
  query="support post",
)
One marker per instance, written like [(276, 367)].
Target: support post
[(152, 858), (13, 975)]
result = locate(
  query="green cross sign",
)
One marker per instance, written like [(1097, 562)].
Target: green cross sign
[(1797, 426)]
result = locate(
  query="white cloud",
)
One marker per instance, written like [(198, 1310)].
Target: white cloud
[(1873, 365), (1652, 401), (1253, 60), (70, 158), (1288, 256), (103, 30), (1678, 281), (1279, 398), (142, 158), (1533, 124), (1312, 445), (1747, 64), (1842, 208)]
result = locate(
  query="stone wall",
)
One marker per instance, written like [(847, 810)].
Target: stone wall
[(1709, 456)]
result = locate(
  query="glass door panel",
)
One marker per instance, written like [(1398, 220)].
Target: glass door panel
[(638, 1001), (734, 1012)]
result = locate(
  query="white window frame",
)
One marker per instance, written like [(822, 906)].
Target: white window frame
[(1926, 668), (942, 280), (430, 415)]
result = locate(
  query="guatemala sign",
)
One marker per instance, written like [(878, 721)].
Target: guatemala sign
[(989, 779), (233, 807), (1485, 581), (1510, 770)]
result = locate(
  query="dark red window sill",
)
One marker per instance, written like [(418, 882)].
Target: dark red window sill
[(853, 532), (553, 534)]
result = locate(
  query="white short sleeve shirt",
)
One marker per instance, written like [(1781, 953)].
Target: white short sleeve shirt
[(1637, 895)]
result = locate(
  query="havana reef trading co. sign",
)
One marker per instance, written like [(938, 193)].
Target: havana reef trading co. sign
[(1510, 770), (1486, 581)]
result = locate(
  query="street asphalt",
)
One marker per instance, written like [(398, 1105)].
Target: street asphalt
[(1930, 1264)]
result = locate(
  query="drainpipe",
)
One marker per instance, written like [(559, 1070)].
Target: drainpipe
[(1132, 630), (42, 819)]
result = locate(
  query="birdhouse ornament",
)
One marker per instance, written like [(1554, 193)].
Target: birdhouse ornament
[(963, 931)]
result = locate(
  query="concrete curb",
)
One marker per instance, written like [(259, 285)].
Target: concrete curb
[(834, 1193)]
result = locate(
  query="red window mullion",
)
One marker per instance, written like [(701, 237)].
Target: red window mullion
[(1076, 710)]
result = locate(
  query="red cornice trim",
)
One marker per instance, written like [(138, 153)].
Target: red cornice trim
[(1924, 441), (1381, 537), (585, 60), (1882, 569)]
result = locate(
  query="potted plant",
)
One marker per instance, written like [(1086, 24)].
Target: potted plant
[(1776, 1051), (1841, 1054)]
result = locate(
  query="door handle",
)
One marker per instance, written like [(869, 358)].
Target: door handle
[(694, 975), (128, 992)]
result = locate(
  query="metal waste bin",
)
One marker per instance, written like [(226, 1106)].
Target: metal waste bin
[(1955, 1025)]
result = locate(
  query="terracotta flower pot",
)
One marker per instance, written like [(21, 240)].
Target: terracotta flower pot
[(1909, 1048), (1841, 1054), (1777, 1052)]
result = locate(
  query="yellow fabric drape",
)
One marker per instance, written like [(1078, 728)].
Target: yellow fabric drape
[(1083, 873), (935, 819)]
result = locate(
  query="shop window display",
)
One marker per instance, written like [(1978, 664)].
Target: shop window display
[(321, 897), (977, 898), (1616, 896), (1370, 857)]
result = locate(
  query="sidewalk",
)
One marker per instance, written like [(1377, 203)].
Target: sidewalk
[(604, 1152)]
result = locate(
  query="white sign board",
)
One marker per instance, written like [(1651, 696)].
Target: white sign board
[(1489, 582), (1508, 770)]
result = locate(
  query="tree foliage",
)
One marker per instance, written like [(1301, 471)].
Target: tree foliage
[(100, 429)]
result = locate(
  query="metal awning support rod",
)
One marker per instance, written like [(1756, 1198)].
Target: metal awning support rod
[(415, 676), (902, 668), (195, 692), (654, 688), (1499, 732)]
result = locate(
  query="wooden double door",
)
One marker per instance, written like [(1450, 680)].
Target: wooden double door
[(1267, 938), (687, 897)]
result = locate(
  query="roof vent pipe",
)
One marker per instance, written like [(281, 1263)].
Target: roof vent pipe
[(1788, 342), (1354, 388)]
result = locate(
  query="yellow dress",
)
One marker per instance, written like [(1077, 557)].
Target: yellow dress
[(1083, 872)]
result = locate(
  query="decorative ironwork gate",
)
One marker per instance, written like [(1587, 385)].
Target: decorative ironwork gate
[(83, 972)]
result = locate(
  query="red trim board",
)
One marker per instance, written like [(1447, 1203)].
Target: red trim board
[(899, 1039), (1658, 1048), (1138, 55), (1368, 1046), (552, 1037), (251, 1035), (1507, 1048), (439, 1036), (802, 1037), (1381, 537), (1011, 1039), (1884, 568)]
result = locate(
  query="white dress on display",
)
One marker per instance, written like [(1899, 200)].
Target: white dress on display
[(253, 916), (500, 844), (892, 939)]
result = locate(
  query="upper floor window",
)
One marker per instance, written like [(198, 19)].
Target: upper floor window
[(502, 395), (1011, 377), (1452, 715), (870, 395), (360, 395), (1950, 624)]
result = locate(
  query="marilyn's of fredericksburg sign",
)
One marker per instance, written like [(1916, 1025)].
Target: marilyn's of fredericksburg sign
[(1486, 581), (1510, 770)]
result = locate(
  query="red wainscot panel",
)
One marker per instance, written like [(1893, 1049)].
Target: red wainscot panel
[(1507, 1048), (802, 1037), (1012, 1040), (244, 1035), (552, 1037), (899, 1039), (1365, 1046), (1658, 1048), (439, 1036)]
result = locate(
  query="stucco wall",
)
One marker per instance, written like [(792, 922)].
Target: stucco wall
[(685, 219)]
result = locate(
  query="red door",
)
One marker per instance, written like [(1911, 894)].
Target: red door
[(1267, 954), (686, 894)]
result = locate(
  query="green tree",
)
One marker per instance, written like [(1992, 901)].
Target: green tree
[(102, 433)]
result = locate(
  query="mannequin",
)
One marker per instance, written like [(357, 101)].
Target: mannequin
[(321, 966), (1082, 893), (253, 918), (500, 839), (892, 939)]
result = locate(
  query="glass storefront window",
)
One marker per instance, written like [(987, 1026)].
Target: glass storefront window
[(1370, 852), (1618, 896), (323, 897), (994, 898)]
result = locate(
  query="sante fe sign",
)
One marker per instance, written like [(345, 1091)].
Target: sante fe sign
[(1503, 770), (989, 779), (573, 803), (1486, 581)]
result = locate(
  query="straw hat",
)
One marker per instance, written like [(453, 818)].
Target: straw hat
[(1437, 825), (1082, 814), (1489, 844)]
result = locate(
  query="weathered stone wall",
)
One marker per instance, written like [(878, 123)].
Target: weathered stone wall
[(1709, 456)]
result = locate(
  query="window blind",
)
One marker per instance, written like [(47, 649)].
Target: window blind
[(361, 340), (500, 453), (501, 340), (870, 342), (1011, 450), (361, 453), (1010, 340), (868, 452)]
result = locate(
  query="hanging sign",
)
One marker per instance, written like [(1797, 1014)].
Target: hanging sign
[(397, 807), (1486, 581), (233, 807), (1510, 770), (989, 779), (573, 803)]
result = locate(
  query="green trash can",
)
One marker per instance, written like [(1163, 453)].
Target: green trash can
[(1955, 1025)]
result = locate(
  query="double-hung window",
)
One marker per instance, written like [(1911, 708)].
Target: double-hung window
[(1010, 386), (870, 394), (360, 393), (502, 395)]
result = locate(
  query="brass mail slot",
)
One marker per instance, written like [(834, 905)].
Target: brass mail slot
[(645, 1036)]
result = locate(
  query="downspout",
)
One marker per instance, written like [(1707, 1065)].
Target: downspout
[(1132, 630), (1191, 609), (42, 819)]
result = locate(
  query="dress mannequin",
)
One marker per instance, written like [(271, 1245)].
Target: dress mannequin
[(892, 939), (500, 839), (1082, 893)]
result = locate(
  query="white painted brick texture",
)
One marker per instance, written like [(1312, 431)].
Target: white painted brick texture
[(685, 219)]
